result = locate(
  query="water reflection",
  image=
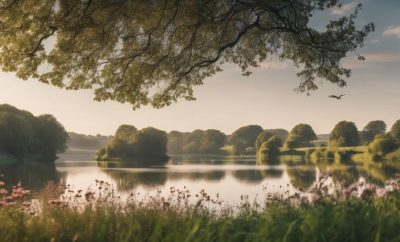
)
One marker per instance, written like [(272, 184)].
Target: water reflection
[(33, 176), (228, 176), (257, 176), (197, 176), (302, 177), (344, 175), (125, 180)]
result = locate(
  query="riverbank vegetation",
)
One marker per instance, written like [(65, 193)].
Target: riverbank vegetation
[(98, 214)]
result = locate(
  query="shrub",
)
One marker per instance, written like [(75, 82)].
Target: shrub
[(382, 145)]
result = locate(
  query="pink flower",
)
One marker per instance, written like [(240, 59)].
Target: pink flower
[(3, 191)]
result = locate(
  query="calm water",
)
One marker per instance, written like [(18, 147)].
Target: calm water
[(229, 177)]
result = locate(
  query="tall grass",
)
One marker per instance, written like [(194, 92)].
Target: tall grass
[(329, 217), (350, 220)]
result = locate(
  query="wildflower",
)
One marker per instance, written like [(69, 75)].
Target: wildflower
[(2, 183), (26, 204), (3, 191), (55, 202)]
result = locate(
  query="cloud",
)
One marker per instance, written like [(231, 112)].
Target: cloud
[(373, 58), (392, 31), (382, 57), (346, 8)]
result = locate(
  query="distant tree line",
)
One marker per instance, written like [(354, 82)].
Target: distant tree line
[(87, 142), (24, 135), (253, 139), (197, 142)]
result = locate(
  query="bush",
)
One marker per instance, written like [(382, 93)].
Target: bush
[(395, 131), (344, 134), (300, 136), (269, 150), (382, 145)]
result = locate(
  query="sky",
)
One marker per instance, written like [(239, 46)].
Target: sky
[(228, 100)]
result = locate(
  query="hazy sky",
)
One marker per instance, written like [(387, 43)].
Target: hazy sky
[(229, 100)]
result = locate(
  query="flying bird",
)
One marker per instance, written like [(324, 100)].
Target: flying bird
[(337, 97)]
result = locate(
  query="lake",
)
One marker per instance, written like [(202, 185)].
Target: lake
[(230, 178)]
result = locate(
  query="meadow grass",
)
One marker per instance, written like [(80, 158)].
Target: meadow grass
[(350, 220), (341, 217)]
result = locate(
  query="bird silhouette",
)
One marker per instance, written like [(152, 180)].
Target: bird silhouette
[(337, 97)]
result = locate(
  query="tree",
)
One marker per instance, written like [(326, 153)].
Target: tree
[(300, 136), (175, 142), (344, 134), (22, 134), (16, 134), (244, 137), (212, 141), (270, 148), (51, 137), (395, 131), (154, 52), (282, 134), (372, 129), (129, 143), (261, 138), (150, 143), (125, 132), (191, 142), (382, 144)]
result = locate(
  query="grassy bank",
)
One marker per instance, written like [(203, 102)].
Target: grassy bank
[(352, 220), (328, 218)]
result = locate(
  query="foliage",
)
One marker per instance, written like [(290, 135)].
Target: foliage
[(261, 138), (340, 217), (175, 142), (344, 134), (372, 129), (150, 143), (383, 144), (282, 134), (22, 134), (300, 136), (212, 141), (154, 52), (244, 137), (51, 135), (129, 143), (208, 141), (86, 142), (16, 134), (270, 148), (395, 131)]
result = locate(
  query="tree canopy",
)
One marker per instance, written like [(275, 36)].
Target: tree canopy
[(23, 134), (382, 144), (270, 148), (244, 138), (344, 134), (128, 143), (281, 134), (372, 129), (395, 131), (154, 52), (197, 142), (300, 136)]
